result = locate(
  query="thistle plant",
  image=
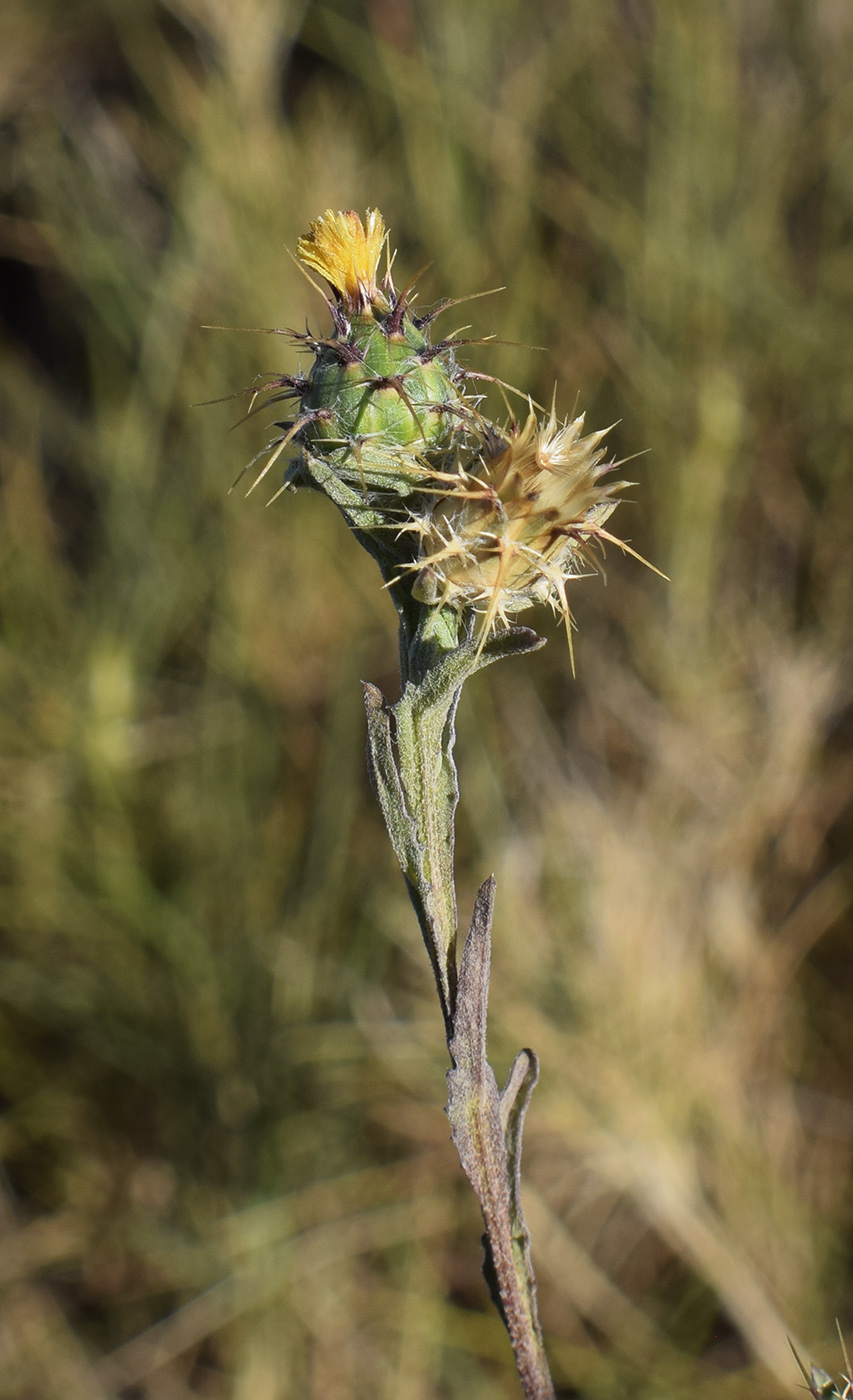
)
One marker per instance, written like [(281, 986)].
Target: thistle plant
[(470, 523)]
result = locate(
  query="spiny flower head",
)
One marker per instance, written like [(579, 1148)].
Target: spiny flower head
[(346, 252), (381, 405), (519, 527)]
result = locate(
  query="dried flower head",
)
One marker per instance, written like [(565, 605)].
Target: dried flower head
[(346, 252), (514, 532)]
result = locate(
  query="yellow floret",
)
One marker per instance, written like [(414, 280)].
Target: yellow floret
[(346, 252)]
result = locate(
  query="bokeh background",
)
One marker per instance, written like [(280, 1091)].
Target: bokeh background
[(226, 1167)]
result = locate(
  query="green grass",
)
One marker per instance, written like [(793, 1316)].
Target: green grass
[(220, 1058)]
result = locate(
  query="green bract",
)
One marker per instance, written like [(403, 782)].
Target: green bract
[(381, 399)]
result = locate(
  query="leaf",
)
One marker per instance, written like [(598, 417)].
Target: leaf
[(359, 512), (385, 780), (467, 1047), (454, 668), (515, 1098), (408, 846), (473, 1099), (486, 1128)]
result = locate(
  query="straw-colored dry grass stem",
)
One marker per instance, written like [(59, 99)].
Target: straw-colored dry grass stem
[(226, 1166)]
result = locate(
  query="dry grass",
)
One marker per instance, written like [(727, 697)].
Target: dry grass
[(227, 1169)]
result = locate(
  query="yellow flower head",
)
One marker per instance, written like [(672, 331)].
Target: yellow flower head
[(346, 252)]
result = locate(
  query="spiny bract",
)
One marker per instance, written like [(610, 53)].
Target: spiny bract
[(520, 523)]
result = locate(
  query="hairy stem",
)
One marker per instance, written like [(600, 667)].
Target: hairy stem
[(410, 756)]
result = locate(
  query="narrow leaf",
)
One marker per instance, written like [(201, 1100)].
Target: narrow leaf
[(404, 829), (515, 1098), (385, 780), (483, 1126)]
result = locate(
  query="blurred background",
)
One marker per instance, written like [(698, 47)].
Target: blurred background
[(226, 1170)]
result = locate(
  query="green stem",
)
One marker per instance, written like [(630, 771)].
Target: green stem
[(437, 633), (410, 756), (410, 753)]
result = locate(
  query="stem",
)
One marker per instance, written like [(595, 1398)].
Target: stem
[(437, 634), (410, 756)]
